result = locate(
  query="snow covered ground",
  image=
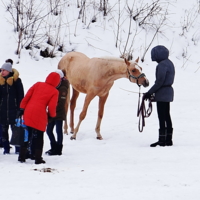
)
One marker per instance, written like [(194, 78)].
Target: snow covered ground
[(122, 165)]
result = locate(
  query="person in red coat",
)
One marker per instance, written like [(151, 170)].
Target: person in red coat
[(38, 104)]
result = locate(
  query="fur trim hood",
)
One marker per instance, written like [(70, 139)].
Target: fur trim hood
[(14, 75)]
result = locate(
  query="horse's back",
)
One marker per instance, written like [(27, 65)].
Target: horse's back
[(71, 57)]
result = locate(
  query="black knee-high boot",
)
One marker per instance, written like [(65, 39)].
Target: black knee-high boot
[(22, 154), (161, 139), (38, 157), (37, 140), (59, 149), (53, 150), (169, 134)]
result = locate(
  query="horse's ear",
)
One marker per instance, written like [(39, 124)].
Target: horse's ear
[(126, 61), (137, 60)]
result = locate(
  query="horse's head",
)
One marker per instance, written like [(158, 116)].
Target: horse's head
[(135, 74)]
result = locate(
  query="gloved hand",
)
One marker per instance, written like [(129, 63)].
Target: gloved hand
[(20, 112), (50, 119), (146, 96)]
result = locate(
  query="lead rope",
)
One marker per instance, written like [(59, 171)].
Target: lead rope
[(142, 112)]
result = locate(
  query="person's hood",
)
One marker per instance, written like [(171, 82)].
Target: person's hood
[(159, 53), (53, 79)]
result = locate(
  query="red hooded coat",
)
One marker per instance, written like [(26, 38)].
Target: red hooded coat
[(41, 101)]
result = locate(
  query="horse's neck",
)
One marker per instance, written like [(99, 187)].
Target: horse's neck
[(119, 69)]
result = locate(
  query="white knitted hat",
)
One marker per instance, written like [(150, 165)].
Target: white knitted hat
[(60, 73)]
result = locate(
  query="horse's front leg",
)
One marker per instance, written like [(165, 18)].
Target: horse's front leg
[(102, 101), (83, 113)]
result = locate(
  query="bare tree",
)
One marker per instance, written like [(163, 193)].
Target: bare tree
[(189, 19), (118, 23), (157, 30), (130, 11), (30, 18), (105, 7)]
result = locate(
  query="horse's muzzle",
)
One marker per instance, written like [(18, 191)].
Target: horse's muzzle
[(146, 82)]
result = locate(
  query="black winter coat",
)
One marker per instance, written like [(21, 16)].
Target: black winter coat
[(165, 73), (11, 94)]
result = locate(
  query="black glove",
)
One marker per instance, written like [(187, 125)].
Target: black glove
[(146, 96), (50, 119), (20, 112)]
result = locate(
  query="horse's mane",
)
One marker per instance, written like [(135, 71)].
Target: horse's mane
[(112, 58), (115, 59)]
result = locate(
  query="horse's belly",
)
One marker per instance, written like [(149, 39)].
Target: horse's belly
[(80, 85)]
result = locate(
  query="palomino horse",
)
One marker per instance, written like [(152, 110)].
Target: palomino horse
[(95, 77)]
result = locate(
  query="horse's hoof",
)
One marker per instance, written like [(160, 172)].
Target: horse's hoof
[(71, 132), (99, 138), (72, 138)]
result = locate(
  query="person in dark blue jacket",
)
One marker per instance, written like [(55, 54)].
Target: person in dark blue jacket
[(11, 94), (164, 93)]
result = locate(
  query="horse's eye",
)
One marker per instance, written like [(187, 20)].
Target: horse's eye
[(133, 70)]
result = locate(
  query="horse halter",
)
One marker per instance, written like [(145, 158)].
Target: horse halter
[(135, 77)]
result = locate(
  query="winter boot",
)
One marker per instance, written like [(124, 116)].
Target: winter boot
[(59, 149), (22, 154), (169, 134), (53, 150), (38, 157), (6, 147), (161, 139)]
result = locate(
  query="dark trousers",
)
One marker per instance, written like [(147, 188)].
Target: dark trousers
[(1, 135), (5, 137), (163, 110), (59, 131), (35, 140), (34, 146)]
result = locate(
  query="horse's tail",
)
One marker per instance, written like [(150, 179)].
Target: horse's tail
[(68, 96), (63, 65)]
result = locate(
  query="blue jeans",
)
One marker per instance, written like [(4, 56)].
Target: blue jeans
[(59, 131)]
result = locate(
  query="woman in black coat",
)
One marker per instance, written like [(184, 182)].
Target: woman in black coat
[(11, 94), (164, 93)]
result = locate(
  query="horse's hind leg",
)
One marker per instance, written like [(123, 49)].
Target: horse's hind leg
[(65, 127), (102, 101), (83, 113), (66, 109), (72, 108)]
